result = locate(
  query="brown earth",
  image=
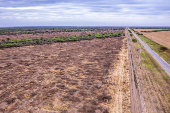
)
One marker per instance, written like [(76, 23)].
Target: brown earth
[(161, 37), (154, 85), (83, 76), (52, 35)]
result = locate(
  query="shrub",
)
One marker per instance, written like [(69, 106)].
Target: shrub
[(130, 31), (24, 42), (134, 40), (73, 38), (3, 44), (163, 48), (98, 35), (131, 34), (38, 41), (7, 39)]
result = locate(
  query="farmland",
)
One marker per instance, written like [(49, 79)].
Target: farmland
[(161, 37), (161, 50), (69, 76)]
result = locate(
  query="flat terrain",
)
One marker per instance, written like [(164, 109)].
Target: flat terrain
[(154, 82), (52, 35), (161, 37), (139, 30), (83, 76)]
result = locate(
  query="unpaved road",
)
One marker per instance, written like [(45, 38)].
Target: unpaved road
[(164, 65)]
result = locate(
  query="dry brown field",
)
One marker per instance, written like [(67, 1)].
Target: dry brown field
[(84, 76), (139, 30), (161, 37)]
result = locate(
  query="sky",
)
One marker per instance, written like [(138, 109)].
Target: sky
[(84, 13)]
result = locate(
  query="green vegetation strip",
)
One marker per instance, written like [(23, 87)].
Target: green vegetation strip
[(130, 31), (159, 49), (38, 41), (150, 63), (34, 30)]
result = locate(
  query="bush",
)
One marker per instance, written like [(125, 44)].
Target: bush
[(98, 35), (37, 41), (130, 31), (134, 40), (8, 39), (73, 38), (131, 34), (163, 48)]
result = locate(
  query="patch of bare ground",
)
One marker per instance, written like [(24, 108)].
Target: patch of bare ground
[(161, 37), (65, 77), (120, 80), (154, 82)]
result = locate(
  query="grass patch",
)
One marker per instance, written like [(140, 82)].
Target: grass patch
[(150, 63), (147, 62), (137, 45), (134, 40)]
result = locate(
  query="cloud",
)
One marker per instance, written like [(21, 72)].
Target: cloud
[(106, 12)]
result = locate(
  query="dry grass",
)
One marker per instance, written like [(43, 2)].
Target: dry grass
[(61, 77), (139, 30)]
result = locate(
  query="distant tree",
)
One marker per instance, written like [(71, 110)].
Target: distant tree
[(8, 39), (3, 40), (163, 48)]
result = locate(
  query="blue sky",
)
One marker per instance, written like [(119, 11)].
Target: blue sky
[(84, 13)]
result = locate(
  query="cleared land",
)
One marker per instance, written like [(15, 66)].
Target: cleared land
[(161, 37), (82, 76)]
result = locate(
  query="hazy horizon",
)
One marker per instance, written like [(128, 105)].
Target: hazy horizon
[(86, 26), (18, 13)]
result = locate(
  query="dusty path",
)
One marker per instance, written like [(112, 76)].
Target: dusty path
[(120, 76)]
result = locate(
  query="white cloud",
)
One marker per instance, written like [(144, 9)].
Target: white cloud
[(110, 14)]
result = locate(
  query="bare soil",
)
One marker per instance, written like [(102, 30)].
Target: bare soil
[(161, 37), (83, 76), (52, 35)]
